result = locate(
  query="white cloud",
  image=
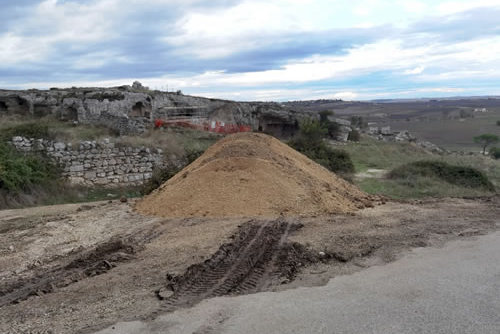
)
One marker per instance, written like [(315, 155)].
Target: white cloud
[(52, 23), (416, 70), (383, 55), (213, 33), (415, 6), (453, 7), (441, 62), (245, 26), (16, 49), (345, 95)]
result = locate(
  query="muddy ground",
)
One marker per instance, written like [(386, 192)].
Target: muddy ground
[(79, 268)]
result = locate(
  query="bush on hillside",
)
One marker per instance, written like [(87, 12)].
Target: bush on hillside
[(331, 128), (495, 152), (311, 132), (354, 136), (310, 143), (458, 175)]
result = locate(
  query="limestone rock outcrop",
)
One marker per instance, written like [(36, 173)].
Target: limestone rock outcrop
[(132, 109)]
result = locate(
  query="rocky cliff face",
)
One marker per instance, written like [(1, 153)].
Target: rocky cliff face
[(131, 109)]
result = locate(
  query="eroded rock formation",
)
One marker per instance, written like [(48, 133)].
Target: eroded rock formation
[(131, 109)]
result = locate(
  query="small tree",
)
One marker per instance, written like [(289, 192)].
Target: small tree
[(323, 115), (485, 140), (332, 128), (312, 132)]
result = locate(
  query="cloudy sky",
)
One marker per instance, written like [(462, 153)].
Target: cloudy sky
[(256, 50)]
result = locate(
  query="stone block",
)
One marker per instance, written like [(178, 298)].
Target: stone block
[(76, 168), (101, 181), (91, 175), (76, 180), (59, 146)]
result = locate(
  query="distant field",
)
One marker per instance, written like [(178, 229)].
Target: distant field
[(452, 134), (422, 117)]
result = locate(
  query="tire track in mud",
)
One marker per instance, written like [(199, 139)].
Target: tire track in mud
[(248, 264), (78, 266)]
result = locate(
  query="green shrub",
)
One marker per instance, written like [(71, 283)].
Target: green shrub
[(311, 132), (337, 161), (486, 140), (19, 171), (495, 152), (323, 115), (463, 176), (333, 129), (310, 143), (354, 136)]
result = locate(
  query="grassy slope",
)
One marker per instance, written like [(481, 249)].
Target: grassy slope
[(370, 153)]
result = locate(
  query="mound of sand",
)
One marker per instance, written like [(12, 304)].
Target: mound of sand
[(250, 174)]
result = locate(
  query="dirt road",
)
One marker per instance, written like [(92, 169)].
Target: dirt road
[(80, 268), (453, 289)]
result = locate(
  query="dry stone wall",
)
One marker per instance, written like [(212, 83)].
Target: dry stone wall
[(97, 163)]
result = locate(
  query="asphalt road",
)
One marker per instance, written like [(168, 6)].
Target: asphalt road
[(454, 289)]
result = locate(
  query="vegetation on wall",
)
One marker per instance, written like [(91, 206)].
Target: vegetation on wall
[(25, 178), (19, 171)]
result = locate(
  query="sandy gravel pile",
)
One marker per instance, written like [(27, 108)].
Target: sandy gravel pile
[(250, 174)]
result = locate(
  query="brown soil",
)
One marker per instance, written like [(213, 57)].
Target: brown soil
[(250, 175), (258, 256), (79, 270)]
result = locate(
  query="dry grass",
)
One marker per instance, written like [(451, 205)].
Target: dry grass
[(370, 153), (175, 142)]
